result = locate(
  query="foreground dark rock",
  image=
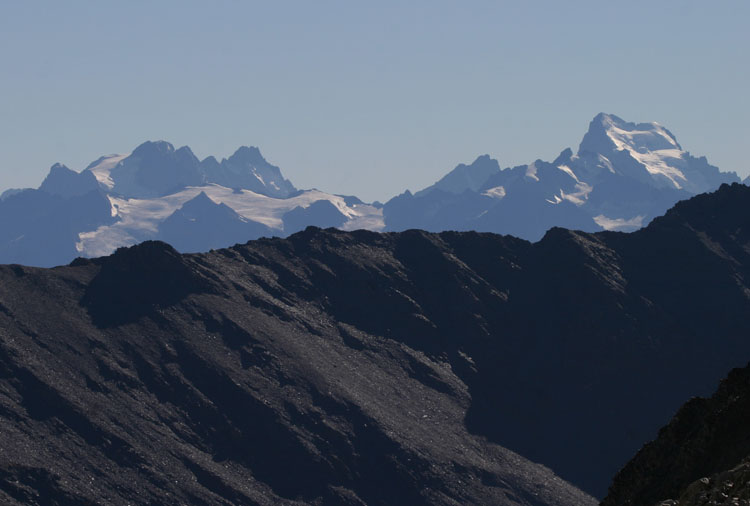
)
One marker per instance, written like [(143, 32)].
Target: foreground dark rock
[(333, 366), (153, 378), (702, 457)]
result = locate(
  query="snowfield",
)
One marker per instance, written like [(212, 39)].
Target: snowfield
[(139, 219)]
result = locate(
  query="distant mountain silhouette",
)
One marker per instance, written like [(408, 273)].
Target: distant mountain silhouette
[(42, 228), (155, 193), (320, 213), (68, 183), (156, 169), (247, 168), (623, 176)]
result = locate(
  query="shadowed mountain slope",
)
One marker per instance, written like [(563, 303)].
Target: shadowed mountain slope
[(370, 367), (153, 378), (701, 457)]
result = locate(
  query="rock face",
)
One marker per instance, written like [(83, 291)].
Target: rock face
[(379, 368), (701, 457)]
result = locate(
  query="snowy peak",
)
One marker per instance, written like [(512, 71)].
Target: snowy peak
[(646, 152), (607, 132), (623, 175), (156, 169), (248, 155), (247, 169), (153, 148)]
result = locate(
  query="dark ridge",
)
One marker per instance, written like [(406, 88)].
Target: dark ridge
[(138, 280)]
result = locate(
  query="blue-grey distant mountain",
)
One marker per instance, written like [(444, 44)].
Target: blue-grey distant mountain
[(623, 175), (159, 192), (68, 183), (156, 169), (320, 213), (11, 191), (41, 228), (201, 225), (247, 168)]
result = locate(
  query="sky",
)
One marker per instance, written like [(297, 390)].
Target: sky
[(365, 98)]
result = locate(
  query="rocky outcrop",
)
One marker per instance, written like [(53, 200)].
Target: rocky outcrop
[(701, 457)]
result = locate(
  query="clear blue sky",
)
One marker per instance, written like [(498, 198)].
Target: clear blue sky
[(365, 98)]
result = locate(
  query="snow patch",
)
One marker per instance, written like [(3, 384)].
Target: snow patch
[(498, 192), (618, 223), (568, 171), (140, 218), (653, 147), (531, 171), (102, 169)]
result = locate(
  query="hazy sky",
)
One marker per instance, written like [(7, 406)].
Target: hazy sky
[(365, 98)]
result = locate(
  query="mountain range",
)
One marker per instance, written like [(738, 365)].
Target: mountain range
[(356, 367), (622, 176)]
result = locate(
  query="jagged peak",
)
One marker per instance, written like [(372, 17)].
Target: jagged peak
[(249, 155), (564, 156), (59, 167), (149, 147), (608, 132)]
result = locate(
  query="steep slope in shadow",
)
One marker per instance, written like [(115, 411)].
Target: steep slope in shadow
[(216, 379), (701, 457)]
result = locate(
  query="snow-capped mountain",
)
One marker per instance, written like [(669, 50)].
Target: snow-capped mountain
[(159, 192), (623, 175), (156, 169)]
